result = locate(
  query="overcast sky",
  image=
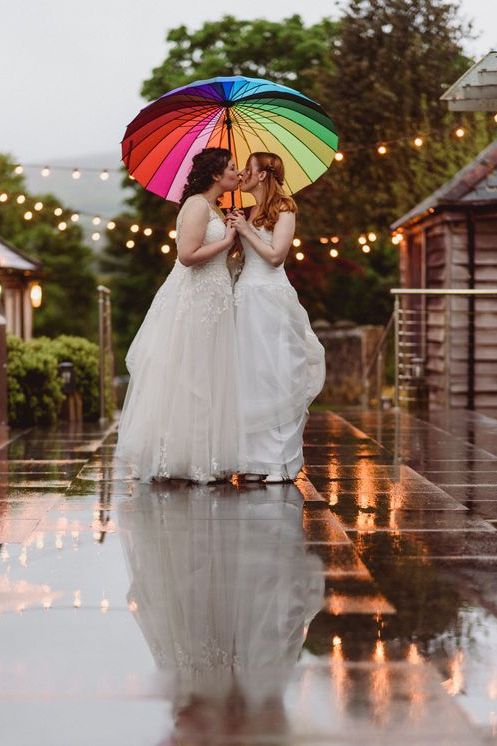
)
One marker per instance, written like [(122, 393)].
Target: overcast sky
[(71, 71)]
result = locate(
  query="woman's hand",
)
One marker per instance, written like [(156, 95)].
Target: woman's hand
[(230, 234), (236, 219)]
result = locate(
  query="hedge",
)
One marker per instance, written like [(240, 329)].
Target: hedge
[(34, 386)]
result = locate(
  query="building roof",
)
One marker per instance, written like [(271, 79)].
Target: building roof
[(12, 258), (475, 184), (476, 90)]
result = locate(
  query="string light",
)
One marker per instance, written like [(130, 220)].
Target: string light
[(366, 248), (333, 253), (130, 244), (296, 242), (58, 211), (76, 173), (165, 248), (28, 215), (38, 206), (324, 240), (21, 199), (362, 240), (495, 118), (4, 197), (111, 225), (18, 169), (460, 132), (104, 174), (418, 142), (147, 231), (372, 237), (62, 226), (299, 256), (75, 217), (172, 234), (382, 149), (335, 239), (45, 171), (339, 156), (396, 239), (95, 236), (96, 220), (134, 228)]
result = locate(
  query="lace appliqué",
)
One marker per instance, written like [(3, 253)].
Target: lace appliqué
[(205, 291)]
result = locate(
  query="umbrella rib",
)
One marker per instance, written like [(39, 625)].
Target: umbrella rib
[(302, 142), (186, 123), (268, 150), (175, 146)]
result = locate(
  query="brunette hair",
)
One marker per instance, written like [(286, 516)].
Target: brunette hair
[(274, 200), (208, 163)]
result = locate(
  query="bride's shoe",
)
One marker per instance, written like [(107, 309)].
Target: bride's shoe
[(253, 477), (277, 478)]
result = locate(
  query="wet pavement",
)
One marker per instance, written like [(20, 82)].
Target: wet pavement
[(357, 606)]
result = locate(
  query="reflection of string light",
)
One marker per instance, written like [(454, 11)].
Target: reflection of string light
[(77, 600), (337, 641), (455, 683), (413, 655)]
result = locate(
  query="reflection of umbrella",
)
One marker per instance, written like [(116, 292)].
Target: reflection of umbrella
[(242, 114)]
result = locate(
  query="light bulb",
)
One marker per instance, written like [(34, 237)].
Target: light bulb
[(165, 248), (324, 240), (147, 231), (299, 256), (339, 156), (335, 239), (45, 171), (130, 244), (460, 132), (58, 211), (333, 253), (38, 206), (18, 169), (418, 141), (21, 199), (28, 215), (95, 236), (4, 197), (362, 240), (134, 228), (172, 234), (75, 217), (96, 220), (297, 242), (111, 225), (76, 173), (62, 226), (382, 149), (366, 248), (372, 237), (104, 174)]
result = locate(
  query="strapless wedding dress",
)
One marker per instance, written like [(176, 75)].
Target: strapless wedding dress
[(282, 364), (181, 415)]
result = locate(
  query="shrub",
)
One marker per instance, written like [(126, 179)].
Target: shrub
[(35, 393), (34, 387)]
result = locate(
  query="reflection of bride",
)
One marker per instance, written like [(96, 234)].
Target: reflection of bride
[(223, 589)]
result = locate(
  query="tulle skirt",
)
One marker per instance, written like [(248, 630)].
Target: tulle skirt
[(181, 415), (282, 369)]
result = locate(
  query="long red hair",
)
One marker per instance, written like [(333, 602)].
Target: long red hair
[(274, 200)]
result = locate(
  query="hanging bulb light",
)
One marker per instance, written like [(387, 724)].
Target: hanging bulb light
[(172, 234), (382, 149), (28, 215), (339, 156), (366, 249), (76, 173), (460, 132), (134, 228), (333, 253), (21, 199), (62, 226), (372, 237), (418, 142), (96, 220), (18, 169), (45, 171), (104, 174), (147, 231), (38, 206), (299, 256), (335, 239), (362, 240), (95, 236), (165, 248), (297, 242), (75, 217), (111, 225), (4, 197), (324, 240), (58, 211), (130, 244)]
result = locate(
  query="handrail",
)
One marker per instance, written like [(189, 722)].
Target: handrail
[(443, 291), (105, 342)]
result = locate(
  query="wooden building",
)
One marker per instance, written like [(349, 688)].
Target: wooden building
[(450, 241), (20, 290)]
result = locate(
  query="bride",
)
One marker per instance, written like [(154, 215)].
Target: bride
[(282, 367), (180, 418)]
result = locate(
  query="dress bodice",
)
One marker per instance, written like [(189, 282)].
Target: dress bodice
[(258, 270), (215, 231)]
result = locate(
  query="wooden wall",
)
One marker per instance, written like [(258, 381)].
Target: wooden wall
[(441, 242)]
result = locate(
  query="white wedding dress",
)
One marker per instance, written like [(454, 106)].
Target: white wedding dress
[(282, 364), (181, 415), (222, 586)]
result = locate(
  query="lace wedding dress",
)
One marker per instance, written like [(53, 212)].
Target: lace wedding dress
[(282, 364), (222, 587), (180, 418)]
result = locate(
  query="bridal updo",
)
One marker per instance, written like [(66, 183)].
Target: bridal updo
[(208, 163)]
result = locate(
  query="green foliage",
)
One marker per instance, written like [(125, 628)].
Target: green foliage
[(35, 392), (83, 354), (379, 72), (34, 387), (69, 298)]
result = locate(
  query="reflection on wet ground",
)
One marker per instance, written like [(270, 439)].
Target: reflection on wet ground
[(358, 605)]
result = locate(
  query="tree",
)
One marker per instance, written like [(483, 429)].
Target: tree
[(69, 283)]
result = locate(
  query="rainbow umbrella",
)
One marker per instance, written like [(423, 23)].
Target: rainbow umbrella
[(242, 114)]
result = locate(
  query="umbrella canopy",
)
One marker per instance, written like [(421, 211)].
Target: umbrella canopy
[(242, 114)]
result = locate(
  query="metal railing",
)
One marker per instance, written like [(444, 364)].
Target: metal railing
[(377, 364), (443, 346), (106, 356)]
